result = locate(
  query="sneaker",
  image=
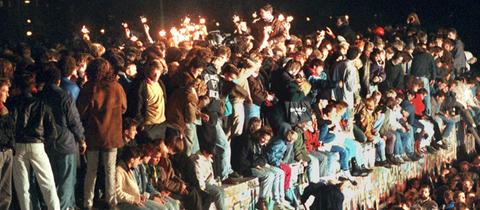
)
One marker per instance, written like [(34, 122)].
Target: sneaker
[(345, 175)]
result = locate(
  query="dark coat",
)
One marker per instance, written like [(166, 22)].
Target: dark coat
[(67, 119), (34, 120), (181, 108), (423, 65), (395, 77), (326, 196), (101, 106), (7, 129), (247, 154)]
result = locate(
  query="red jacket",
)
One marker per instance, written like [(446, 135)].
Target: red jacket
[(418, 104)]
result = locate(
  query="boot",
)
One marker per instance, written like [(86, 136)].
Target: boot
[(356, 170), (261, 204)]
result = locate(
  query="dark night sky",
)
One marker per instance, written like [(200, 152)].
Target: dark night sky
[(64, 15)]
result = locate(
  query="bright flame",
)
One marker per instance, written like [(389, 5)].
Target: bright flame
[(102, 31), (202, 21), (29, 21), (125, 25), (134, 38), (289, 18), (281, 17), (162, 33), (308, 19), (27, 2), (29, 33), (85, 30), (217, 24), (143, 19), (186, 20), (254, 15)]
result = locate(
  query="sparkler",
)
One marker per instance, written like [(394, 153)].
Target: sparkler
[(162, 33), (125, 25), (29, 33), (202, 21), (102, 31), (289, 19), (143, 19), (85, 30)]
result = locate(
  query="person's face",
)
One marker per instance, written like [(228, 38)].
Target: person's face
[(155, 74), (266, 15), (4, 93), (424, 193), (452, 35), (461, 198), (231, 77), (197, 72), (156, 158), (343, 50), (131, 132), (146, 158), (134, 162), (264, 139), (164, 150), (324, 54), (131, 70), (467, 186)]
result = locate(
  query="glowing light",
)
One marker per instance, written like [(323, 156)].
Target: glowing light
[(202, 21), (143, 19), (186, 20), (125, 25), (134, 38), (29, 33), (85, 30), (289, 18), (308, 19), (217, 24), (102, 31), (281, 17), (162, 33), (29, 21), (27, 1), (236, 19), (254, 15)]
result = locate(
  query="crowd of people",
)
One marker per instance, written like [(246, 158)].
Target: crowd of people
[(164, 123), (455, 187)]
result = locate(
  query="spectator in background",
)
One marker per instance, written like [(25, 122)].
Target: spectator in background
[(7, 143), (68, 66)]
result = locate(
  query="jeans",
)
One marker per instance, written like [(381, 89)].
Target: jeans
[(218, 195), (343, 156), (252, 110), (354, 150), (318, 166), (427, 100), (379, 148), (109, 160), (33, 156), (6, 163), (378, 124), (266, 178), (222, 165), (404, 142), (237, 120), (278, 183), (65, 173), (449, 125), (191, 139)]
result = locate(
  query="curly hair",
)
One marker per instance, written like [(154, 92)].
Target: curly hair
[(100, 70)]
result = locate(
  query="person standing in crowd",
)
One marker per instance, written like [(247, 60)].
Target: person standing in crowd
[(68, 66), (346, 71), (101, 104), (424, 68), (34, 127), (7, 143), (147, 101), (458, 53), (62, 150)]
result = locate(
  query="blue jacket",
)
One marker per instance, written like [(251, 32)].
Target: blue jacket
[(276, 152), (70, 87), (325, 135)]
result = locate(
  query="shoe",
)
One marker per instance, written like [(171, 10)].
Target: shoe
[(394, 160), (406, 158), (346, 176), (356, 170), (261, 204), (431, 149), (230, 181), (383, 163), (235, 175), (435, 145), (368, 170), (398, 160)]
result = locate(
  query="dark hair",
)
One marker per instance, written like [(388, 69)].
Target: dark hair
[(328, 109), (197, 62), (223, 50), (100, 70), (68, 64), (51, 74), (150, 66), (173, 139), (5, 82), (130, 152), (352, 53), (230, 69), (264, 131), (316, 62), (129, 122), (267, 8), (6, 68)]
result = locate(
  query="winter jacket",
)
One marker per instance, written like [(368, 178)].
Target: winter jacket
[(257, 91), (326, 196), (144, 183), (285, 87), (67, 119), (325, 135), (299, 149), (34, 120), (364, 120), (395, 77), (348, 73), (276, 152), (423, 65), (70, 87), (101, 106), (182, 108), (248, 154)]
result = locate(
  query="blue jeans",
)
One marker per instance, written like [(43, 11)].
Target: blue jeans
[(278, 183), (379, 148), (218, 195), (318, 166), (64, 168), (266, 178), (191, 139), (343, 156), (404, 143), (449, 125), (427, 100), (223, 153), (378, 124)]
